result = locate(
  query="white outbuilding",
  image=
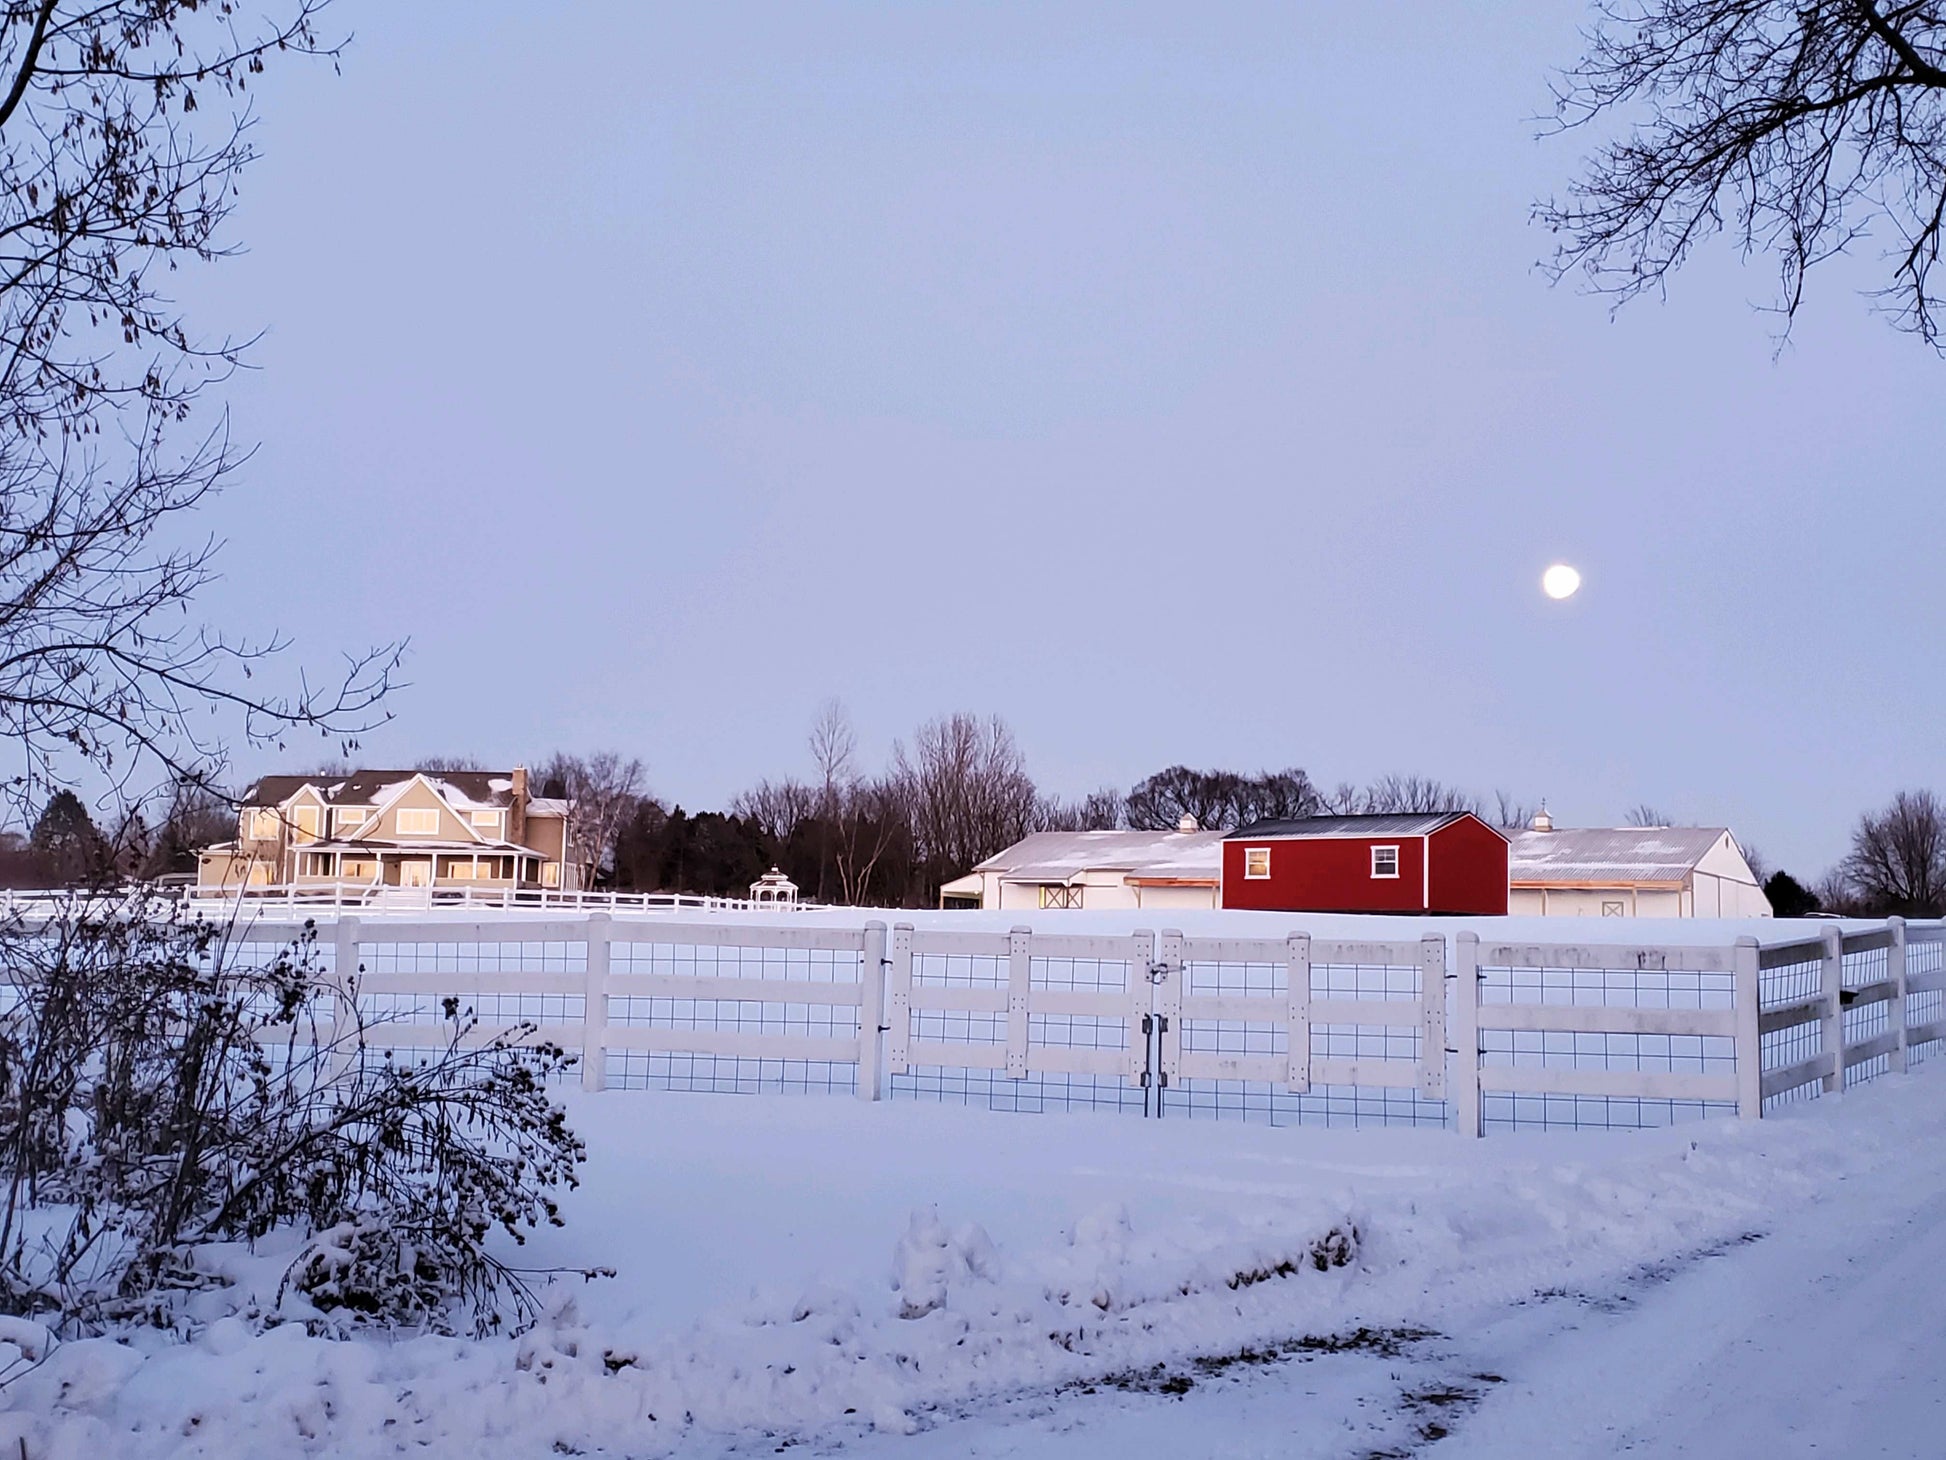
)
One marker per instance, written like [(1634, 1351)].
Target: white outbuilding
[(1097, 869), (1631, 871)]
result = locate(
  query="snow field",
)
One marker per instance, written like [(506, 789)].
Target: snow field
[(820, 1268)]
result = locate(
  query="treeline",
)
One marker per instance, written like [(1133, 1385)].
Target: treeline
[(66, 848), (953, 794)]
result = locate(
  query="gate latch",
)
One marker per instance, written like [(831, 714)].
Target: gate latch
[(1159, 972)]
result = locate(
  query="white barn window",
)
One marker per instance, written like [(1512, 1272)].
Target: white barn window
[(1256, 863), (1385, 861)]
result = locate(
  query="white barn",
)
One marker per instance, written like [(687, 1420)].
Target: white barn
[(1097, 869), (1631, 871)]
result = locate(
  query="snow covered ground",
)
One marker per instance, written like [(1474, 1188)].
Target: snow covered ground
[(914, 1281)]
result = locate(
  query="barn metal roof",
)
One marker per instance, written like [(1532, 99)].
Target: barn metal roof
[(1609, 855), (1407, 823), (1057, 856)]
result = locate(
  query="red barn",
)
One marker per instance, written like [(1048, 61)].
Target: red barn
[(1437, 862)]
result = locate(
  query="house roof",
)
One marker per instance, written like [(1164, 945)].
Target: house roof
[(1059, 856), (462, 789), (1609, 856), (1403, 823)]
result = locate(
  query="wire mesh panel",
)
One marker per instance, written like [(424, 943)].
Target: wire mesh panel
[(734, 1009), (1925, 972), (1796, 1033), (1866, 964), (1587, 1036), (1017, 1020), (1294, 1032)]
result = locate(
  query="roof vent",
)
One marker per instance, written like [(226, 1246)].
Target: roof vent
[(1187, 824), (1542, 821)]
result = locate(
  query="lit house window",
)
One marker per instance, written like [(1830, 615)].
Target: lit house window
[(348, 818), (265, 823), (489, 820), (1385, 861), (418, 821), (1256, 863), (305, 819), (1060, 897)]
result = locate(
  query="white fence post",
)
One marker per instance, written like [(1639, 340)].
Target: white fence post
[(1464, 1021), (1168, 977), (1831, 984), (344, 956), (1432, 1009), (1895, 970), (898, 1002), (1020, 966), (594, 1006), (1141, 999), (871, 1010), (1297, 1013), (1747, 995)]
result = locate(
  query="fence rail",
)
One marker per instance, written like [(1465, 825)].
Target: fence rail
[(1475, 1035), (366, 899)]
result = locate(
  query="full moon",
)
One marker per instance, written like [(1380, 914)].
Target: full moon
[(1560, 581)]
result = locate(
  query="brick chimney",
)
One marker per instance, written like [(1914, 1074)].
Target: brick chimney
[(517, 810)]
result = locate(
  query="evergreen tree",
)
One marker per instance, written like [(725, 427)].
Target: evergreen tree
[(67, 841), (1790, 898)]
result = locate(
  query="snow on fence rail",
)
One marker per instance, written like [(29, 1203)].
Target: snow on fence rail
[(1471, 1034)]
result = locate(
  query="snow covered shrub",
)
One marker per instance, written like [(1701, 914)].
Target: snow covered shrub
[(164, 1087)]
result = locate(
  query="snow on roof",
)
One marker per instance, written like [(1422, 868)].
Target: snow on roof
[(1609, 855), (547, 806), (1057, 856), (1407, 823)]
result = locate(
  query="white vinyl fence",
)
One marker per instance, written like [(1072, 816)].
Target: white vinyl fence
[(1453, 1031)]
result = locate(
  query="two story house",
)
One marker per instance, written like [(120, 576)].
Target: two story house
[(453, 829)]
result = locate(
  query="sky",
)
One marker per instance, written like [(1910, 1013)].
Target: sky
[(1176, 382)]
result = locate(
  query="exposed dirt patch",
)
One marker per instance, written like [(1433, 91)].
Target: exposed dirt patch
[(1179, 1379)]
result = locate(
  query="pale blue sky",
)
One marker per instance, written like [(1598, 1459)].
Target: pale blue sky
[(1174, 381)]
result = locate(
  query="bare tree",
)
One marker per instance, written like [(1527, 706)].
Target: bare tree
[(834, 744), (1757, 862), (1416, 793), (432, 765), (1835, 893), (1344, 799), (1220, 800), (1644, 815), (1102, 810), (777, 808), (966, 791), (1511, 813), (1897, 862), (870, 826), (604, 791), (123, 134), (1794, 126)]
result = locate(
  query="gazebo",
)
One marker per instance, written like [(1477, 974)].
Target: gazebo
[(774, 889)]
